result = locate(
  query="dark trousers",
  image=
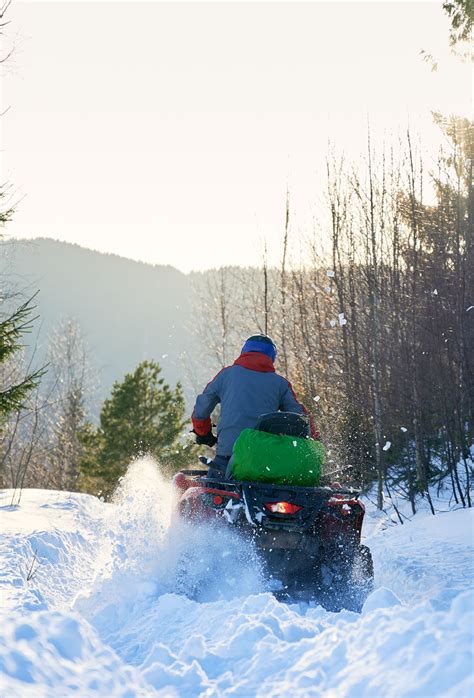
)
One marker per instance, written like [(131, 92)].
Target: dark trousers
[(218, 466)]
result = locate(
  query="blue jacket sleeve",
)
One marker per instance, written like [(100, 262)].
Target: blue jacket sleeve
[(205, 403), (289, 401)]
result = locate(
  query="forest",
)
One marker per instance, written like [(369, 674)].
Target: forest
[(378, 334)]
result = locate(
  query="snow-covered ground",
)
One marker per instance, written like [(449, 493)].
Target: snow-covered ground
[(89, 607)]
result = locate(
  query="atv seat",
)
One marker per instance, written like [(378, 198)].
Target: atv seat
[(285, 424)]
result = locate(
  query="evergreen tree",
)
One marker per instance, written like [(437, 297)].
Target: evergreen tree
[(461, 13), (12, 329), (13, 324), (143, 415)]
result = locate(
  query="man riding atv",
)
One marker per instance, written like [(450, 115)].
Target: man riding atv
[(246, 390), (267, 483)]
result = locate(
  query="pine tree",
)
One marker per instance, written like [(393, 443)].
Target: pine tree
[(142, 416), (461, 14), (12, 329), (15, 385)]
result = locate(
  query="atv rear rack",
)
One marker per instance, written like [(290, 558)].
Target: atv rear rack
[(297, 490)]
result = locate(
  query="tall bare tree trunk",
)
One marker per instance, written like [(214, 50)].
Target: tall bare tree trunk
[(283, 286)]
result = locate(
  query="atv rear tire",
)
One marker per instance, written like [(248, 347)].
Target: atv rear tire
[(345, 582)]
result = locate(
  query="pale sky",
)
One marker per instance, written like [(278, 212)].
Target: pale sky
[(168, 132)]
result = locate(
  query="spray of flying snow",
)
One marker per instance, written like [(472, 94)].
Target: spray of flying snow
[(215, 563), (341, 320), (144, 501), (135, 527), (149, 551)]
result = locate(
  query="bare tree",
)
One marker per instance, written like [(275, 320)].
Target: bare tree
[(71, 387)]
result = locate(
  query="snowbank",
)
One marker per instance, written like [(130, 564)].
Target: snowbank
[(90, 607)]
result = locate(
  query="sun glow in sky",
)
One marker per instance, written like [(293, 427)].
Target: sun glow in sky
[(169, 132)]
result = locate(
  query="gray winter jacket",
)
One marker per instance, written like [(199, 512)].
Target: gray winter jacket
[(245, 390)]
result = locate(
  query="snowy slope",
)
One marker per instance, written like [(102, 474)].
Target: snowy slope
[(89, 607)]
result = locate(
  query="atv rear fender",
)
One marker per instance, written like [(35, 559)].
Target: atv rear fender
[(341, 518)]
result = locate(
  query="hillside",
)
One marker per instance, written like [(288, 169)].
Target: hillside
[(127, 310), (92, 609)]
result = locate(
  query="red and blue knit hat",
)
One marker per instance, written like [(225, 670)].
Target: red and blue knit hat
[(262, 344)]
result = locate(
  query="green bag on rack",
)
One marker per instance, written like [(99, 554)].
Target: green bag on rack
[(279, 459)]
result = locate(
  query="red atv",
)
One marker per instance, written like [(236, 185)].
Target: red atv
[(308, 538)]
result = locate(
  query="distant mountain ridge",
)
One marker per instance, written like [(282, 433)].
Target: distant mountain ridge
[(128, 310)]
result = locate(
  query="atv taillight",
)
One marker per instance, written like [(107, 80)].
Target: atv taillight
[(217, 499), (282, 508)]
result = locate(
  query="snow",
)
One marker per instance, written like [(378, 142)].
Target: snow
[(342, 320), (105, 611)]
